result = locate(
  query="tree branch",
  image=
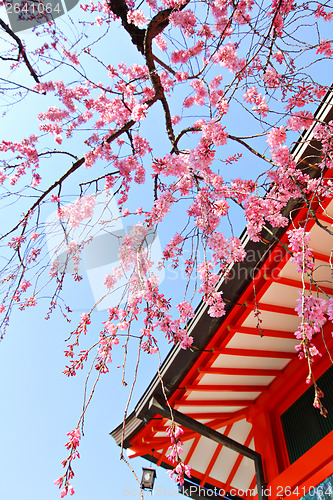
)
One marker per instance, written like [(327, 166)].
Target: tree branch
[(21, 48), (120, 9), (247, 146)]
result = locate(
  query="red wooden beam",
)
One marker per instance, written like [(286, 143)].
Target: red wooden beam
[(285, 389), (236, 416), (213, 460), (298, 284), (272, 308), (266, 332), (218, 423), (312, 467), (256, 353), (216, 402), (162, 456), (191, 450), (211, 415), (155, 442), (321, 256), (261, 372), (324, 218), (225, 388)]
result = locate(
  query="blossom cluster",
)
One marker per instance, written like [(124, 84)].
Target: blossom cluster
[(81, 209), (181, 470), (72, 445)]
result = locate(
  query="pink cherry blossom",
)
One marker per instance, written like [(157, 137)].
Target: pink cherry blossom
[(277, 136), (137, 18), (82, 209), (325, 48)]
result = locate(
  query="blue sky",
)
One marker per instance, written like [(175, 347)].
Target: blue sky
[(39, 404)]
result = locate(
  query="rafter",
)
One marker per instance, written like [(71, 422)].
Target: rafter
[(225, 388), (214, 458), (256, 353), (324, 218), (212, 461), (212, 415), (298, 284), (162, 456), (321, 256), (155, 441), (191, 450), (272, 308), (213, 402), (236, 416), (266, 332), (261, 372)]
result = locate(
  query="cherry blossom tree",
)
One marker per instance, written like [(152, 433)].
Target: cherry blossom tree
[(157, 125)]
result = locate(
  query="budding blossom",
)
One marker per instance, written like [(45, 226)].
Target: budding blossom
[(72, 445), (180, 471), (182, 56), (172, 249), (54, 268), (185, 310), (175, 450), (280, 9), (278, 56), (174, 4), (175, 119), (24, 285), (54, 114), (242, 12), (68, 489), (313, 311), (320, 12), (325, 48), (3, 176), (257, 210), (34, 236)]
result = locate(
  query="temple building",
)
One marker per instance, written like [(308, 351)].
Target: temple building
[(240, 394)]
